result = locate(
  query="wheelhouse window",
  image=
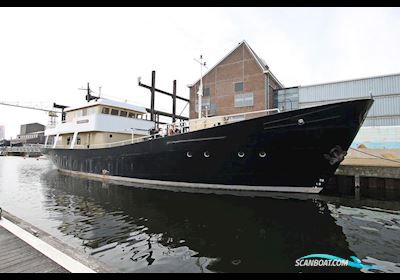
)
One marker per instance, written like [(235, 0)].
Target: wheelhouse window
[(123, 113), (132, 115), (91, 111), (78, 113), (114, 112), (105, 110)]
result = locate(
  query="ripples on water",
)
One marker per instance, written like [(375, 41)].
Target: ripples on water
[(134, 229)]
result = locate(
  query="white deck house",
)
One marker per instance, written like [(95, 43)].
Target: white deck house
[(99, 123)]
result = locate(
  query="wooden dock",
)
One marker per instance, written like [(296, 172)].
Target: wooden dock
[(17, 256), (27, 249)]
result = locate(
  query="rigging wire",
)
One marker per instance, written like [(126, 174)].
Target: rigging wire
[(397, 161), (187, 103)]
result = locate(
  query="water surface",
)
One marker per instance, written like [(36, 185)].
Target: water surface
[(136, 230)]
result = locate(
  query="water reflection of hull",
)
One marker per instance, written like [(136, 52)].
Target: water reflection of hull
[(292, 151), (136, 229)]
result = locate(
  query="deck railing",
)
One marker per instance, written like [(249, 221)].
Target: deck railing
[(196, 124), (108, 145)]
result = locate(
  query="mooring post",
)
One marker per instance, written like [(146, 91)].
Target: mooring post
[(152, 89), (174, 102)]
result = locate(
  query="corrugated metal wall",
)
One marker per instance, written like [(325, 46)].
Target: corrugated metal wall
[(385, 90)]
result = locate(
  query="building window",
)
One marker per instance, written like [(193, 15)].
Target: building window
[(114, 112), (205, 102), (287, 99), (123, 113), (105, 110), (239, 87), (244, 99), (206, 91)]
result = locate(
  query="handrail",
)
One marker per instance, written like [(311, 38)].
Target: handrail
[(250, 113)]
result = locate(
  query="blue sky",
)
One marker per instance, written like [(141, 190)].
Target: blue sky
[(46, 54)]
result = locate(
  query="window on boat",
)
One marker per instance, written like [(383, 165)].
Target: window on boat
[(84, 112), (78, 113), (132, 115), (239, 87), (78, 140), (105, 110), (114, 112), (91, 111), (123, 113), (68, 140)]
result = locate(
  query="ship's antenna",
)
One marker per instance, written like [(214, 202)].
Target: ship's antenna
[(200, 91), (88, 95)]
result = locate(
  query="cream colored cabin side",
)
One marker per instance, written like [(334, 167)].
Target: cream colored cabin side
[(99, 124)]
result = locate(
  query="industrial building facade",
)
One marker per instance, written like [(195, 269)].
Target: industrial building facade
[(381, 128), (31, 133), (241, 82), (2, 132)]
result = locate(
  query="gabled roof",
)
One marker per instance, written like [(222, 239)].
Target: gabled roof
[(263, 66)]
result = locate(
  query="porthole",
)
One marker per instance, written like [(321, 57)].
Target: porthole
[(240, 154), (300, 121), (262, 154), (206, 154), (189, 154)]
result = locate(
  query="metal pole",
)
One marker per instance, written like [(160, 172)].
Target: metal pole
[(200, 92), (174, 102), (153, 86)]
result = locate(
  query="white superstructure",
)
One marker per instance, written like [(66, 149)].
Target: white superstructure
[(98, 123)]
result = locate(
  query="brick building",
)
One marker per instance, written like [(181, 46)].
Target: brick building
[(240, 82)]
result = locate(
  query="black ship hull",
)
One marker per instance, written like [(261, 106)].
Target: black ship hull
[(290, 151)]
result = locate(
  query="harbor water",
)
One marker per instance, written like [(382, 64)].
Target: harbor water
[(133, 229)]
